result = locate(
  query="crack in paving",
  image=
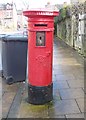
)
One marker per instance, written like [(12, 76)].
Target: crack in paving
[(78, 106)]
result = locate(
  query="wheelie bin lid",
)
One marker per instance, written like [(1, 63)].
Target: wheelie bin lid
[(15, 38), (1, 36)]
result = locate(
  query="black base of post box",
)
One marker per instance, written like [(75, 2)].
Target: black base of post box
[(40, 95)]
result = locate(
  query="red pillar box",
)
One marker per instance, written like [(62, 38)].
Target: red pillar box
[(40, 52)]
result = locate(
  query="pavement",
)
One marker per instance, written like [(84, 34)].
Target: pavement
[(68, 89), (0, 56)]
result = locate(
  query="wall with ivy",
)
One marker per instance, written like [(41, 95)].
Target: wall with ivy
[(71, 26)]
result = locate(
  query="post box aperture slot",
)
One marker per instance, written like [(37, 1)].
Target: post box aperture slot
[(40, 38), (40, 25)]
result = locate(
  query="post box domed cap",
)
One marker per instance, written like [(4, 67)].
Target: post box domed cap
[(40, 12)]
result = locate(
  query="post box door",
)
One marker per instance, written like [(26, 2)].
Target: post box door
[(40, 39), (40, 64)]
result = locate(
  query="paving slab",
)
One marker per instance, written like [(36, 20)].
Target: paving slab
[(79, 115), (7, 100), (76, 83), (57, 72), (56, 95), (8, 96), (81, 104), (0, 108), (63, 107), (0, 97), (8, 88), (0, 56), (65, 77), (0, 88), (55, 66), (31, 111), (57, 116), (13, 112), (71, 93), (58, 84)]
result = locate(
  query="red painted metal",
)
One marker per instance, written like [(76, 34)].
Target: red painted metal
[(40, 57)]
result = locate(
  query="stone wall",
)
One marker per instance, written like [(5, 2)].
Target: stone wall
[(72, 27)]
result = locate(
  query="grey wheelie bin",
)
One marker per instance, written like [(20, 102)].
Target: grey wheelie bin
[(14, 58)]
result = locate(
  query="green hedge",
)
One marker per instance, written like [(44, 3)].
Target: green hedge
[(63, 14)]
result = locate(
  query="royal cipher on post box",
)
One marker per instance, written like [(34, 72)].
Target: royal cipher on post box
[(40, 52)]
